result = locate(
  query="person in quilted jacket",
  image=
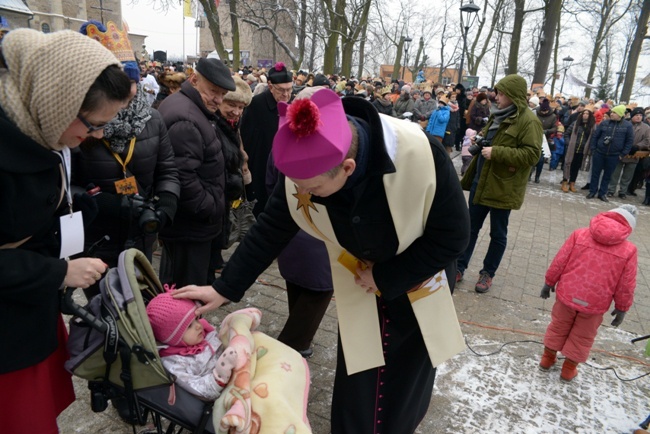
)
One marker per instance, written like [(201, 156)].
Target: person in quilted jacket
[(594, 266)]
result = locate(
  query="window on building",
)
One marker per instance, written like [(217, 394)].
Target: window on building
[(45, 28)]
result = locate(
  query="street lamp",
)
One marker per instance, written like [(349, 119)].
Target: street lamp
[(471, 12), (407, 42), (567, 63)]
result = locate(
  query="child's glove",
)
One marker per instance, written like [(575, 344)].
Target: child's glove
[(225, 365), (619, 316), (546, 291)]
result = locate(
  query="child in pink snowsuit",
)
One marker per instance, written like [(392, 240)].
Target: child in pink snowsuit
[(594, 266)]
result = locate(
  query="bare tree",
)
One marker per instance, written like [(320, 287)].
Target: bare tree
[(517, 27), (641, 17), (552, 10), (605, 14)]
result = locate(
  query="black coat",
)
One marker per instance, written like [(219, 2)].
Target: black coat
[(258, 127), (31, 274), (201, 168), (154, 169)]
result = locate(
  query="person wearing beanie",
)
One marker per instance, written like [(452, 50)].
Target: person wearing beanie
[(190, 348), (258, 126), (479, 112), (611, 143), (595, 266), (367, 185), (623, 176), (533, 103), (190, 115), (439, 120), (134, 156), (46, 110)]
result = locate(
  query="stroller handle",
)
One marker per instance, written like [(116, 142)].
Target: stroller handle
[(69, 307)]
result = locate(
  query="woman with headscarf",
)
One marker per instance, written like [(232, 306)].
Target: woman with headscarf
[(134, 152), (46, 109)]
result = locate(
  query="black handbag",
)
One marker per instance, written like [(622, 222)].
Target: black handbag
[(241, 219)]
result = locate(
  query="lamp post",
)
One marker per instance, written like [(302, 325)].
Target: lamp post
[(407, 42), (471, 12), (567, 63)]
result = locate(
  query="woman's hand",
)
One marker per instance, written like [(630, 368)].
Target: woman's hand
[(206, 294), (83, 272)]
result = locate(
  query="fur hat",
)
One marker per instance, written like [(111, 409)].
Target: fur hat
[(406, 88), (534, 100), (321, 80), (313, 135), (628, 211), (242, 92), (279, 74), (170, 318), (481, 96)]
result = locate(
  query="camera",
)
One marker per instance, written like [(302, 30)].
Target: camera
[(607, 140), (144, 211), (479, 143)]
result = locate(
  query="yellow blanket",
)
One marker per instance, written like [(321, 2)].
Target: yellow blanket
[(269, 387)]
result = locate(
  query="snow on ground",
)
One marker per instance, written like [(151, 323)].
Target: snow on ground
[(507, 393)]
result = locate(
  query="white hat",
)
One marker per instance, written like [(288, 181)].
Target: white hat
[(629, 212)]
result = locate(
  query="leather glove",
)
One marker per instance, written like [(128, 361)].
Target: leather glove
[(86, 204), (618, 317), (166, 208), (546, 291)]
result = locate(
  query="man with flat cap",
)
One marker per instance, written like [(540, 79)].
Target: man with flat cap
[(258, 127), (190, 118)]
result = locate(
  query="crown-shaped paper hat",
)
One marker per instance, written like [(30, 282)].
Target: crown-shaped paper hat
[(114, 39), (313, 136)]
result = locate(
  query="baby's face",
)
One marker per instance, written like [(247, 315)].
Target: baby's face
[(194, 334)]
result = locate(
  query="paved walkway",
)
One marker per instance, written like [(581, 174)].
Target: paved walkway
[(511, 311)]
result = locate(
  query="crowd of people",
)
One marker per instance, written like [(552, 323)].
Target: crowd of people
[(157, 156)]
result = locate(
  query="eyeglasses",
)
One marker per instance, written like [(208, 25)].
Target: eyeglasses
[(91, 128), (283, 91)]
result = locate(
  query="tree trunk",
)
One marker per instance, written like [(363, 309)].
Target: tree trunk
[(212, 16), (517, 26), (556, 47), (362, 49), (398, 61), (600, 36), (551, 19), (331, 46), (234, 24), (346, 57), (635, 51)]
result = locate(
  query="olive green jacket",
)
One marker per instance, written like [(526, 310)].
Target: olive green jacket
[(516, 147)]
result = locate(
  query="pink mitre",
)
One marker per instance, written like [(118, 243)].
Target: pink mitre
[(313, 136)]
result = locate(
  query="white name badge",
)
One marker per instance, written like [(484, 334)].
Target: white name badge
[(72, 234)]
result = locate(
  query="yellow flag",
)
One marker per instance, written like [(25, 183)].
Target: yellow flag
[(187, 8)]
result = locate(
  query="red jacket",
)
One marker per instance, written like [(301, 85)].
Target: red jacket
[(595, 265)]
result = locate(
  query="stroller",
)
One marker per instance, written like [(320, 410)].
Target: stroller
[(111, 345)]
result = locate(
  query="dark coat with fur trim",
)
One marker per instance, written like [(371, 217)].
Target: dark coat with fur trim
[(201, 167), (32, 273)]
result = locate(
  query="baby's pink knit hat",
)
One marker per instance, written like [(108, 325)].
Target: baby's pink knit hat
[(170, 318)]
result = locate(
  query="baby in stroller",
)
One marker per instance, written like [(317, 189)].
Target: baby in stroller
[(191, 349)]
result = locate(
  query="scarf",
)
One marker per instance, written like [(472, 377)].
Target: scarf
[(39, 91), (190, 350), (453, 107), (500, 115), (129, 122)]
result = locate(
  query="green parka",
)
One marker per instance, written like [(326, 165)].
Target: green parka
[(516, 147)]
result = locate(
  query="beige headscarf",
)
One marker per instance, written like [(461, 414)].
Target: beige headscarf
[(47, 80)]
